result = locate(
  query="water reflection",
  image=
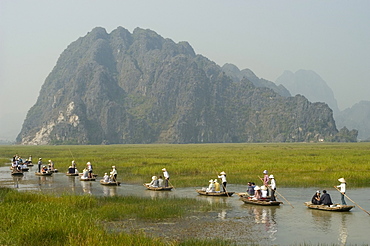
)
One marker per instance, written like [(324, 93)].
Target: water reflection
[(158, 194), (343, 233), (322, 220), (16, 181), (72, 183), (110, 190), (267, 217), (45, 182), (87, 187)]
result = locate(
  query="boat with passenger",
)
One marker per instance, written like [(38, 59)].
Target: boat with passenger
[(214, 193), (333, 208)]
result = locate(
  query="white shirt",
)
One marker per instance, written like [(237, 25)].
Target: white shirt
[(223, 178), (273, 184), (342, 187), (166, 175)]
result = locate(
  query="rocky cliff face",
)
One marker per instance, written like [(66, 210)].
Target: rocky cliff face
[(139, 87)]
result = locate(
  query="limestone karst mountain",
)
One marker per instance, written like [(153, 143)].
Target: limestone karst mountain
[(139, 87)]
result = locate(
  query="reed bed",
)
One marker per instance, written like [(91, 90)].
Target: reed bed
[(39, 219), (192, 165)]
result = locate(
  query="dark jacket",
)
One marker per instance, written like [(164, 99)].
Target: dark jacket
[(325, 199), (314, 199)]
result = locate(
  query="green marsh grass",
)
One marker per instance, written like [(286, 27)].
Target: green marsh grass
[(192, 165), (39, 219)]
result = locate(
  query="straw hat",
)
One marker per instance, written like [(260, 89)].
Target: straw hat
[(342, 180), (113, 166), (271, 176), (49, 160), (215, 181), (164, 169), (154, 177), (265, 172), (223, 173), (211, 181), (88, 163), (263, 187), (257, 188)]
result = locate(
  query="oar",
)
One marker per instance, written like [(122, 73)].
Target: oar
[(284, 198), (171, 184), (352, 201), (280, 195)]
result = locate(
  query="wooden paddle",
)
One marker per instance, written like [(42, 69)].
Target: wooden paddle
[(352, 201), (171, 184)]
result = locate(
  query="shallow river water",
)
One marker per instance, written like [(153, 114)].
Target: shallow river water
[(284, 225)]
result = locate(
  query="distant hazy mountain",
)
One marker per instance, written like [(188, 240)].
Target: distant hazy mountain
[(139, 87), (309, 84), (357, 117)]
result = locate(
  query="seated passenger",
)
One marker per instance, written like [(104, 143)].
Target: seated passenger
[(257, 193), (325, 199), (316, 198), (44, 169), (154, 182), (85, 174), (211, 187), (71, 169), (106, 178), (160, 181), (217, 186), (263, 191)]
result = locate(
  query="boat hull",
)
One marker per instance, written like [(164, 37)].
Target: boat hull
[(205, 193), (43, 174), (110, 183), (158, 188), (333, 208), (72, 174), (266, 202), (17, 174), (88, 179)]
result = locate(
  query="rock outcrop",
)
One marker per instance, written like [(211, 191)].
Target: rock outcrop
[(139, 87)]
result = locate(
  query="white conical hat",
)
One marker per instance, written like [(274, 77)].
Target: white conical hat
[(342, 180)]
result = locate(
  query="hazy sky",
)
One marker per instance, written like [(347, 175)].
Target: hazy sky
[(330, 37)]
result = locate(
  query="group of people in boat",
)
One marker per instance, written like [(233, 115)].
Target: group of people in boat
[(215, 186), (325, 198), (112, 177), (49, 168), (158, 182), (18, 165), (87, 172), (265, 191)]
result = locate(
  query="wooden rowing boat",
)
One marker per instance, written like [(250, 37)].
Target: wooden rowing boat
[(110, 183), (87, 179), (333, 208), (43, 174), (158, 188), (205, 193), (16, 173), (260, 202), (72, 174)]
